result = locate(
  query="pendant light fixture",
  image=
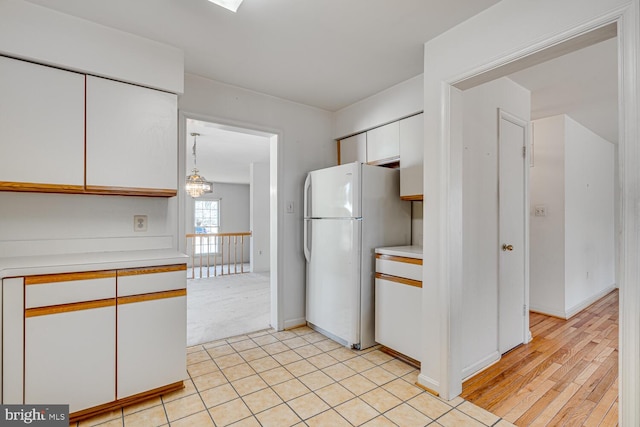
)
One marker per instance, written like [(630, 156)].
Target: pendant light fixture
[(197, 185)]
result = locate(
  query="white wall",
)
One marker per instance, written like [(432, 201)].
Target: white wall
[(479, 312), (259, 216), (43, 224), (33, 32), (546, 233), (394, 103), (416, 223), (573, 246), (589, 217), (307, 144)]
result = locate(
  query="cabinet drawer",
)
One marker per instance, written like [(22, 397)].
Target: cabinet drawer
[(58, 289), (410, 268), (147, 280)]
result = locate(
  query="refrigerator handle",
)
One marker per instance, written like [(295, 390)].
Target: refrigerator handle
[(307, 240), (307, 223), (307, 198)]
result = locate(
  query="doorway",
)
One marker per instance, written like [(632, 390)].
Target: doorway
[(442, 107), (521, 366), (232, 285)]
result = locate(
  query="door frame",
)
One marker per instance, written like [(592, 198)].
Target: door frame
[(526, 126), (276, 280), (484, 51)]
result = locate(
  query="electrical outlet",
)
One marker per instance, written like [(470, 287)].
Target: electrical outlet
[(540, 210), (139, 223)]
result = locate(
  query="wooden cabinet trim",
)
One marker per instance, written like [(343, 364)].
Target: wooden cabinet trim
[(413, 198), (386, 161), (152, 296), (68, 277), (152, 270), (120, 403), (130, 191), (411, 361), (406, 260), (401, 280), (65, 308), (35, 187)]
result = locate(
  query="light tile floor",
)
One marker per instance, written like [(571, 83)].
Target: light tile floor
[(296, 378)]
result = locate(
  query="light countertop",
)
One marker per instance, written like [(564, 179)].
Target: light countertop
[(92, 261), (405, 251)]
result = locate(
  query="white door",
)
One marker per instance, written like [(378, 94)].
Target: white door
[(151, 339), (333, 277), (70, 358), (333, 192), (513, 137)]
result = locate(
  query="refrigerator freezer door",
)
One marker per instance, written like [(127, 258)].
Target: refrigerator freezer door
[(333, 192), (333, 277)]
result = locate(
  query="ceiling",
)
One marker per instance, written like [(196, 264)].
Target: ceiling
[(323, 53), (582, 84), (225, 154)]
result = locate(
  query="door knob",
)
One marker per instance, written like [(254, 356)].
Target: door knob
[(506, 247)]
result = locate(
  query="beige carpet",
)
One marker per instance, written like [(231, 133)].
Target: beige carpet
[(225, 306)]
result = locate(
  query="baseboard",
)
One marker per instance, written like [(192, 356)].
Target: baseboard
[(480, 365), (577, 308), (295, 323), (587, 302), (548, 311)]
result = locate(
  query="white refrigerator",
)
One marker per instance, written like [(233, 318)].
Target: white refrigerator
[(349, 210)]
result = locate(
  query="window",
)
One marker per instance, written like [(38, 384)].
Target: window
[(206, 221)]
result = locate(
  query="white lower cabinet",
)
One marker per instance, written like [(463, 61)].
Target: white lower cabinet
[(398, 304), (70, 358), (91, 339), (151, 344)]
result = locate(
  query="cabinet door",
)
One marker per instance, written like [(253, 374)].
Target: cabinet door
[(152, 328), (70, 357), (353, 149), (398, 315), (132, 139), (152, 340), (412, 157), (383, 144), (41, 127)]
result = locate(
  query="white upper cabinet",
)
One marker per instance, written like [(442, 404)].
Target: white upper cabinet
[(412, 157), (383, 144), (353, 149), (41, 126), (131, 143)]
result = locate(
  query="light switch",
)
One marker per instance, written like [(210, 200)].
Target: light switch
[(290, 207)]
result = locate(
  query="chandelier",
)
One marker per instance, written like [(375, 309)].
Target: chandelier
[(197, 185)]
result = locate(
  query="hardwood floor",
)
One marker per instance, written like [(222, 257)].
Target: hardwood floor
[(567, 375)]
